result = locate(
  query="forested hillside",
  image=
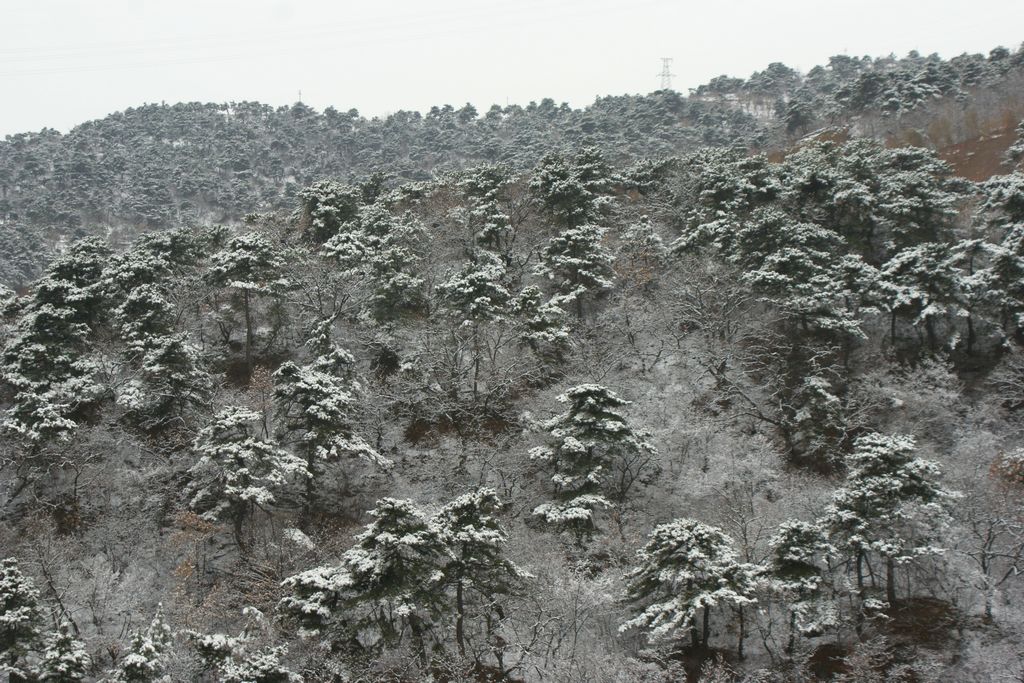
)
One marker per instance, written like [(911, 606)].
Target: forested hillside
[(159, 166), (458, 398)]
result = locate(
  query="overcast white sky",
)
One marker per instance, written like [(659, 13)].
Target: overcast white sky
[(63, 62)]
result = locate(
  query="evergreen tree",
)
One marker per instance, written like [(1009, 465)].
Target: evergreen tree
[(685, 568), (476, 295), (721, 190), (542, 324), (237, 469), (387, 582), (797, 575), (45, 360), (891, 504), (144, 314), (476, 566), (380, 248), (20, 617), (1002, 211), (263, 666), (578, 263), (146, 659), (316, 410), (170, 379), (22, 254), (794, 266), (326, 206), (919, 283), (476, 291), (75, 280), (491, 225), (1015, 154), (573, 191), (589, 443), (64, 659), (251, 267)]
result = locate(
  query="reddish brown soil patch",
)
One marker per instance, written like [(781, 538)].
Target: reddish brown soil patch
[(980, 158)]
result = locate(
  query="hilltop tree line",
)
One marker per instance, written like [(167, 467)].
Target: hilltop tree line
[(160, 166)]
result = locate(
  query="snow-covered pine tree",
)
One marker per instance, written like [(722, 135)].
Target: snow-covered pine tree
[(976, 288), (916, 197), (146, 659), (476, 295), (133, 268), (573, 191), (20, 618), (578, 264), (170, 379), (797, 573), (316, 411), (491, 225), (476, 291), (389, 581), (329, 357), (46, 358), (262, 666), (919, 283), (380, 247), (326, 206), (542, 323), (150, 261), (590, 444), (250, 266), (230, 658), (1015, 154), (476, 567), (143, 315), (890, 505), (23, 254), (237, 470), (75, 280), (722, 189), (793, 266), (1002, 211), (63, 657), (686, 568)]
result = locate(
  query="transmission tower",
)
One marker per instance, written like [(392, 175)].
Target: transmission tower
[(666, 73)]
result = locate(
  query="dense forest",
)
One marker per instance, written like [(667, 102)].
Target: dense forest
[(725, 387), (163, 166)]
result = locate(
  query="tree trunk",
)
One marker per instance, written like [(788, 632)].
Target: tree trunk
[(248, 331), (929, 328), (417, 635), (743, 634), (460, 610), (707, 626), (791, 643), (860, 591), (890, 581), (310, 490), (476, 362), (970, 334), (237, 528)]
